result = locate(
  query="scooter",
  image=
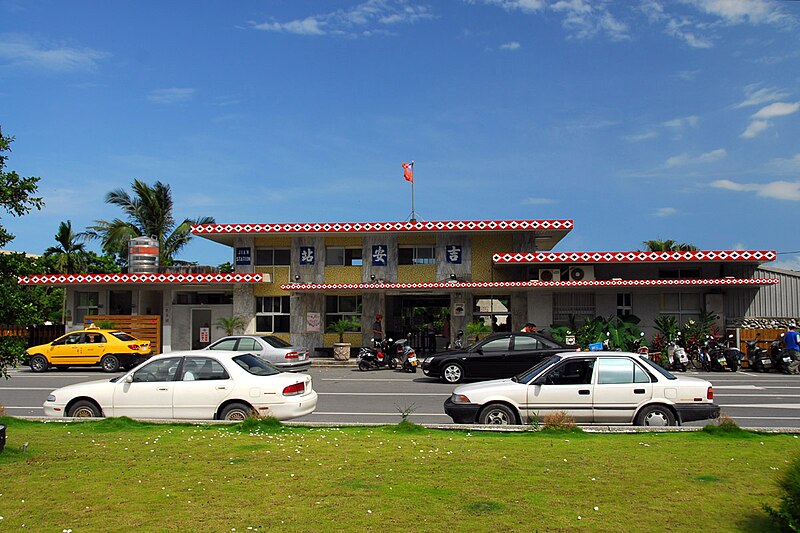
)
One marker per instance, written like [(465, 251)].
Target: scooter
[(408, 356), (676, 357), (757, 357), (779, 356), (722, 356), (459, 343), (384, 354)]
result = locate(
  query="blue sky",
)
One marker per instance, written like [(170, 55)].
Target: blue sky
[(646, 119)]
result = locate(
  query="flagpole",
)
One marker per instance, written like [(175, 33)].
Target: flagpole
[(413, 214)]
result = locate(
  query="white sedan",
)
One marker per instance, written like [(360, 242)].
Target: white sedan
[(194, 385), (591, 387)]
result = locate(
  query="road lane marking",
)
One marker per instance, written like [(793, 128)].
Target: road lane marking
[(750, 387), (763, 406)]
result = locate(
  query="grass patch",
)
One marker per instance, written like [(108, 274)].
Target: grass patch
[(259, 476)]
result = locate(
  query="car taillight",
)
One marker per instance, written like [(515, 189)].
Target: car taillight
[(710, 393), (133, 346), (294, 390), (291, 355)]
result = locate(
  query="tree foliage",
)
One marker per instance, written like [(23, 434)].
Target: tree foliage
[(16, 192), (658, 245), (70, 254), (149, 213)]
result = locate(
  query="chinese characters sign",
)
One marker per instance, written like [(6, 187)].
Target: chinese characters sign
[(379, 254), (453, 253), (306, 255)]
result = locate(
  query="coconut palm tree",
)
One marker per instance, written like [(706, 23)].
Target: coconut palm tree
[(149, 214), (668, 246), (70, 254)]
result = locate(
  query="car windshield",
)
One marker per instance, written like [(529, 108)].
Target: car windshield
[(657, 368), (276, 342), (531, 373), (255, 365)]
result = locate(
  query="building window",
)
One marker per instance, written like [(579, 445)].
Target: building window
[(272, 314), (203, 298), (416, 255), (343, 307), (273, 257), (337, 256), (573, 306), (684, 306), (679, 273), (494, 311), (85, 304), (624, 307)]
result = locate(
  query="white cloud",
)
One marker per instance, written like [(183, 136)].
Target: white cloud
[(686, 159), (364, 19), (173, 95), (754, 129), (781, 190), (678, 29), (641, 136), (786, 166), (21, 51), (665, 211), (526, 6), (778, 109), (755, 95), (682, 122), (742, 11), (537, 201), (586, 19), (512, 45)]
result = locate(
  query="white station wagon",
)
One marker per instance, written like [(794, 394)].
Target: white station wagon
[(194, 385), (592, 387)]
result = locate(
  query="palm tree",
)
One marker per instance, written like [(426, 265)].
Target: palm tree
[(149, 214), (668, 246), (70, 254), (231, 324)]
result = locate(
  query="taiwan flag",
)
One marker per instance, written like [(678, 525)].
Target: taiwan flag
[(408, 171)]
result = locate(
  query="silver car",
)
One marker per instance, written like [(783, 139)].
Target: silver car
[(277, 351)]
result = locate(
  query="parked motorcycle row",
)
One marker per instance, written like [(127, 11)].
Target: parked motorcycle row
[(767, 359), (388, 353)]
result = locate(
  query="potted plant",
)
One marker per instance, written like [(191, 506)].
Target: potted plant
[(231, 324), (341, 349), (478, 328)]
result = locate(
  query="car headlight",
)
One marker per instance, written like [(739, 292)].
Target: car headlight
[(428, 360), (459, 398), (51, 398)]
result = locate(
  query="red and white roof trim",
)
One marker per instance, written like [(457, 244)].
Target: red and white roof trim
[(756, 256), (66, 279), (376, 227), (528, 284)]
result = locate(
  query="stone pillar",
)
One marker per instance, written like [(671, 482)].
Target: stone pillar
[(372, 303), (444, 269), (386, 273), (244, 241), (300, 304), (519, 310), (244, 305)]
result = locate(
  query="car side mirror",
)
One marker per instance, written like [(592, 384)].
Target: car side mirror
[(479, 351)]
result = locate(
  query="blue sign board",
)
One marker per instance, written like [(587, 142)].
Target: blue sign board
[(379, 255), (453, 253), (243, 256), (306, 255)]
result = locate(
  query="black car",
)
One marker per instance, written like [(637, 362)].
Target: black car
[(500, 355)]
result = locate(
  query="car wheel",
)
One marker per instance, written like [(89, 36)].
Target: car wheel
[(38, 363), (84, 409), (497, 414), (655, 415), (236, 411), (452, 373), (110, 363)]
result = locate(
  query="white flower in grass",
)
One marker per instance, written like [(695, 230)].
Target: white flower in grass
[(579, 517), (596, 508)]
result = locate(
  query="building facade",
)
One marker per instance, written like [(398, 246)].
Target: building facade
[(427, 280)]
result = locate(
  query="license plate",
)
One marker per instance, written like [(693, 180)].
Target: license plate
[(720, 360), (787, 359), (302, 356)]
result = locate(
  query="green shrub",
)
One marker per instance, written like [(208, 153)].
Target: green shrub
[(12, 350), (787, 515)]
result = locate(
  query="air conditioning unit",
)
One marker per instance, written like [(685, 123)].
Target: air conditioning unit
[(581, 273), (549, 274)]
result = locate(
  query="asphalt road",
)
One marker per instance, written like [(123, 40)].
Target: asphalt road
[(348, 395)]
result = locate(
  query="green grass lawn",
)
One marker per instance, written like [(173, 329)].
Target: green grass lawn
[(120, 475)]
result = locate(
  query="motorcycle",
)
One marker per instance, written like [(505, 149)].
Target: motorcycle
[(459, 343), (779, 356), (408, 356), (757, 357), (722, 356), (384, 354), (677, 359)]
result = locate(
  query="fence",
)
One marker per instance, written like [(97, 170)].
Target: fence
[(33, 335), (144, 327), (764, 336)]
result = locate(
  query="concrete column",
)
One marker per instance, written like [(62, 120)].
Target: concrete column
[(463, 270), (244, 241), (301, 304), (244, 305)]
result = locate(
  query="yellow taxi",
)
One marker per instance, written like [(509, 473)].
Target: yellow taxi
[(108, 348)]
